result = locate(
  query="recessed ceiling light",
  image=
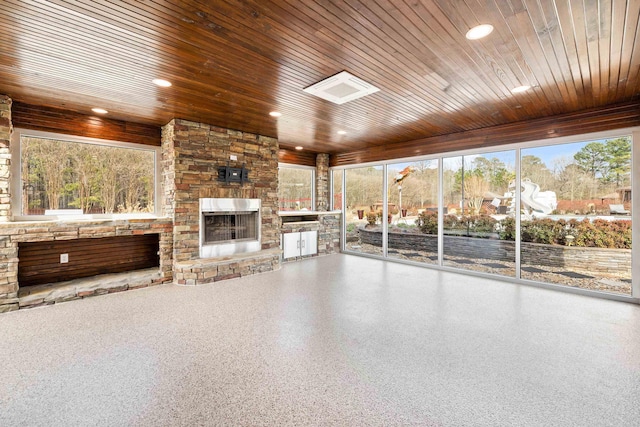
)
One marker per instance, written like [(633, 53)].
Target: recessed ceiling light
[(520, 89), (275, 114), (342, 132), (479, 31), (99, 110), (162, 83), (298, 148)]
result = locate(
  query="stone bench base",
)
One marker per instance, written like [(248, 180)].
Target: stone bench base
[(52, 293), (207, 270)]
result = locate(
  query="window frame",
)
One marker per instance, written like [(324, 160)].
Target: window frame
[(313, 182), (17, 182)]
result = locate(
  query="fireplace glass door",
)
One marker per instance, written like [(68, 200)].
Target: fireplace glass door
[(230, 226)]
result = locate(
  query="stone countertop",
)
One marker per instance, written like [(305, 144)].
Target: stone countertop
[(302, 213)]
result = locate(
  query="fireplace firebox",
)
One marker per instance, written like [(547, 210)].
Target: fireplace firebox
[(229, 226), (222, 227)]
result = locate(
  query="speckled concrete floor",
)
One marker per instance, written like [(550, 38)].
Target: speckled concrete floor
[(340, 340)]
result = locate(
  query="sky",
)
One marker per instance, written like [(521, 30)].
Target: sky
[(549, 154)]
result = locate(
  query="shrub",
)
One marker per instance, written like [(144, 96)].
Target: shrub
[(597, 234), (427, 222), (543, 230), (452, 222), (507, 229), (483, 224), (372, 217), (470, 223), (602, 234)]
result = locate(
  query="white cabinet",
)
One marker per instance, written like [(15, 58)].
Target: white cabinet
[(290, 245), (299, 244), (309, 243)]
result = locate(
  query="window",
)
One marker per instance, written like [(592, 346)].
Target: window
[(413, 199), (336, 186), (296, 187), (575, 196), (478, 196), (558, 214), (364, 203), (61, 174)]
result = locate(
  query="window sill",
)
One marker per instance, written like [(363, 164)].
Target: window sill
[(75, 218), (297, 213)]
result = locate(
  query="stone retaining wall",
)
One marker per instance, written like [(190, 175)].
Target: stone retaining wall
[(590, 260), (594, 260)]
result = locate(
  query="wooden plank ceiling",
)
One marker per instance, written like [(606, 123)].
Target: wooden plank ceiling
[(232, 62)]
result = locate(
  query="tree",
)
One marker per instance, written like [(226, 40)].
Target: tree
[(136, 181), (574, 183), (110, 164), (363, 186), (495, 172), (593, 158), (83, 186), (295, 188), (62, 174), (48, 162), (427, 184), (452, 192), (618, 153), (533, 167), (474, 188)]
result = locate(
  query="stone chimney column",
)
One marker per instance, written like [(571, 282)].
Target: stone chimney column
[(322, 182)]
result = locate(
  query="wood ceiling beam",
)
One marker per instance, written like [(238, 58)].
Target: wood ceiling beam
[(588, 121)]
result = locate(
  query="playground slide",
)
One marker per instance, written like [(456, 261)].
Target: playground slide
[(532, 199)]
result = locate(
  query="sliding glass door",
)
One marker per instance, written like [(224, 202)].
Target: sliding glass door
[(576, 214), (477, 203), (363, 214), (413, 211)]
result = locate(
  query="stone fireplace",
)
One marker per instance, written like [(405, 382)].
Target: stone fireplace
[(192, 156), (211, 240), (229, 226)]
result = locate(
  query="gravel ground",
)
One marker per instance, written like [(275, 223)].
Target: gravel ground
[(616, 285)]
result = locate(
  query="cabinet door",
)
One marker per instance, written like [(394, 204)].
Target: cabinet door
[(290, 245), (308, 243)]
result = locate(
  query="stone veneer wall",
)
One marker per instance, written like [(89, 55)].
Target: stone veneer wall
[(168, 171), (5, 158), (329, 234), (12, 233), (192, 153), (322, 182), (328, 227)]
